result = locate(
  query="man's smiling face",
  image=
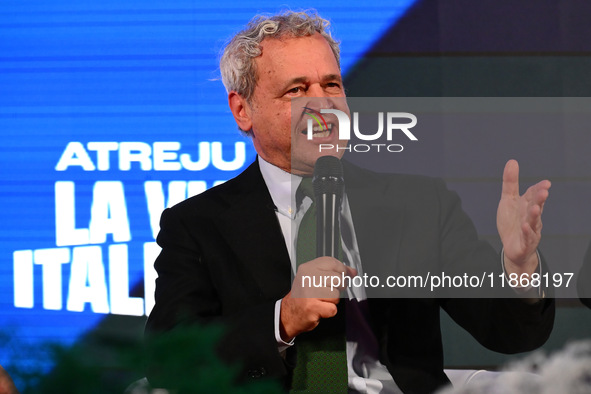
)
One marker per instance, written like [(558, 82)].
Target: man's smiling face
[(305, 69)]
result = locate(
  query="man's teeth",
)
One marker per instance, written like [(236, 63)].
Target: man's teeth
[(320, 132), (322, 135)]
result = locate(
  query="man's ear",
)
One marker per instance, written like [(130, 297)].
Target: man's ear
[(241, 111)]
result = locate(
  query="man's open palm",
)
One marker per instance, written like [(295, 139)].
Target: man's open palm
[(519, 218)]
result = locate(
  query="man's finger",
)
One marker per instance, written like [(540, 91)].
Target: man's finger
[(530, 237), (534, 218), (331, 300), (330, 264), (327, 309), (537, 195), (539, 189), (350, 272), (331, 292), (542, 191), (511, 179), (327, 263)]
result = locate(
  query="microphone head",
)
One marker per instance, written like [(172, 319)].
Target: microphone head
[(328, 176)]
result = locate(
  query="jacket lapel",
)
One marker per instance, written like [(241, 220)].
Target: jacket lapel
[(378, 217), (252, 230)]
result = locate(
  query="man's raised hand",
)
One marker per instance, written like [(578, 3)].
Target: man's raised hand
[(519, 220)]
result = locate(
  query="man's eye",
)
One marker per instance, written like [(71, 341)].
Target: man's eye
[(296, 90)]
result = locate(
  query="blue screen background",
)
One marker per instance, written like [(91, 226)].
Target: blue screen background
[(112, 71)]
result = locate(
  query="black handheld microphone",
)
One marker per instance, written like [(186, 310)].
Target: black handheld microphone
[(328, 186)]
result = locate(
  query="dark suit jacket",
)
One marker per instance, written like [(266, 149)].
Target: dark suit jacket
[(224, 260)]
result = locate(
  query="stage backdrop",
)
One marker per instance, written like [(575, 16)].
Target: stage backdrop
[(111, 111)]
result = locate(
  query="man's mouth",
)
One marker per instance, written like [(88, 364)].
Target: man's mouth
[(319, 131)]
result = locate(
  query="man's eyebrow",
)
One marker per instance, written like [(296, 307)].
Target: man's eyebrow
[(304, 80), (332, 77)]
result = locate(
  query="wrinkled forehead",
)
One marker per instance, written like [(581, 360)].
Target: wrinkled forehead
[(293, 53)]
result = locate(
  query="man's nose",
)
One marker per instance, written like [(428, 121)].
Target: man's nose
[(318, 98)]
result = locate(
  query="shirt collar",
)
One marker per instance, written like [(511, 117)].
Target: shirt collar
[(282, 186)]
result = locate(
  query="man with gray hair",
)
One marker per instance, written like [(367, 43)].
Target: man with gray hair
[(227, 254)]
